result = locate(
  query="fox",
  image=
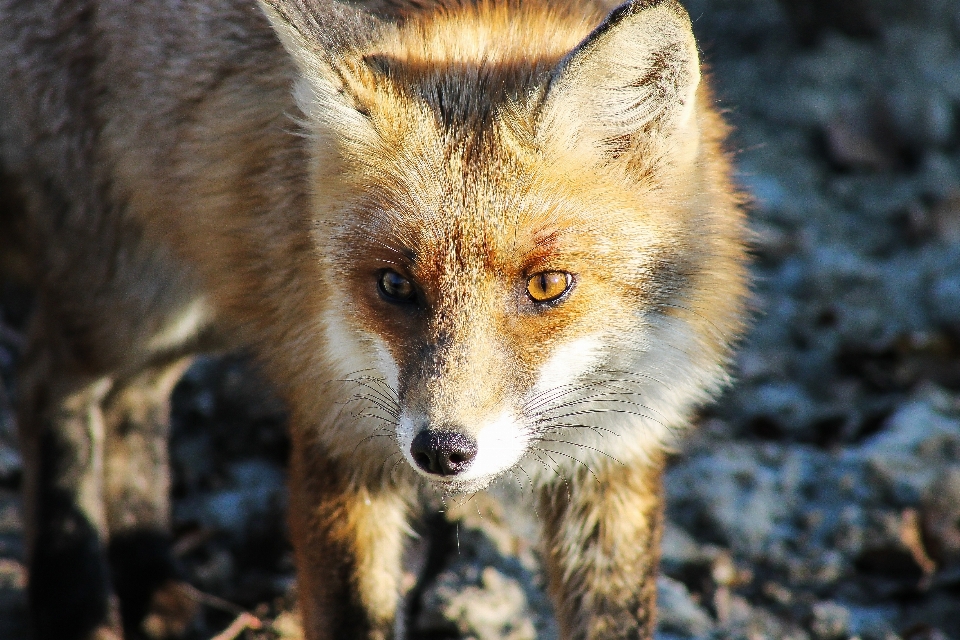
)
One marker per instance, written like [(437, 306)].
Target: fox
[(464, 240)]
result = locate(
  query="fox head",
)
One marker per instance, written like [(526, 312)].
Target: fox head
[(531, 253)]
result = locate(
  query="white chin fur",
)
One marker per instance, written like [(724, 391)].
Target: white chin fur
[(500, 445), (633, 399)]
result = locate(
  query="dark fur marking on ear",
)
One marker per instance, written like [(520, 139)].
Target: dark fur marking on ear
[(658, 70), (379, 63), (662, 81)]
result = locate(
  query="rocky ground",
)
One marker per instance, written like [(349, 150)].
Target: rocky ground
[(820, 498)]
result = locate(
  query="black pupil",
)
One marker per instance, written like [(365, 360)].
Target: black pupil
[(395, 285), (543, 282)]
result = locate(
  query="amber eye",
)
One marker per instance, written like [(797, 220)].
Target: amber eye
[(548, 285), (395, 287)]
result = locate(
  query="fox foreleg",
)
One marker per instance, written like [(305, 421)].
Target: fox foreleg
[(137, 501), (349, 541), (62, 433), (602, 534)]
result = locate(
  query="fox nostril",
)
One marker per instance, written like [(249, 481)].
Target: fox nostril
[(444, 453), (423, 460)]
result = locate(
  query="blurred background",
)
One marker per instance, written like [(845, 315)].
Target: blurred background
[(820, 498)]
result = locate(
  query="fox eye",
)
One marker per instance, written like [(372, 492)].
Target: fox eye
[(395, 287), (548, 285)]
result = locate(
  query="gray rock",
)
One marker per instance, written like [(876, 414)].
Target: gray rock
[(739, 498), (830, 621), (256, 488), (494, 607), (679, 614), (873, 623), (11, 462), (941, 516), (913, 424)]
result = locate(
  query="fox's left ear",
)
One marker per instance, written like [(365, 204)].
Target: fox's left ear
[(632, 82)]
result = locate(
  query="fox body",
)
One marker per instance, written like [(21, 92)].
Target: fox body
[(501, 233)]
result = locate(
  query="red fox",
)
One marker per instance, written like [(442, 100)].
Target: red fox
[(501, 232)]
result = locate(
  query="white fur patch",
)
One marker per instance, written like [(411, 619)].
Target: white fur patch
[(406, 431), (569, 362), (344, 347), (185, 325), (356, 356), (388, 366), (500, 445), (625, 410)]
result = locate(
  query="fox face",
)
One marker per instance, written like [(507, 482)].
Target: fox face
[(520, 237)]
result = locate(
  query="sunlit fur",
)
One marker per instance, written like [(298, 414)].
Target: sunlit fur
[(195, 174)]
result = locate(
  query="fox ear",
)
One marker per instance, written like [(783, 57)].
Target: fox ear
[(632, 82), (318, 34)]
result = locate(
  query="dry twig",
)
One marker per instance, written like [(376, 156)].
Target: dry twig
[(240, 624)]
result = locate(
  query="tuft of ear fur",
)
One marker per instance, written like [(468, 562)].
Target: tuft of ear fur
[(320, 36), (632, 82)]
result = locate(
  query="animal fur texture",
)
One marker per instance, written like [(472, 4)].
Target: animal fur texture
[(502, 233)]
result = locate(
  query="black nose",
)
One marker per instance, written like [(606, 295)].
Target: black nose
[(443, 453)]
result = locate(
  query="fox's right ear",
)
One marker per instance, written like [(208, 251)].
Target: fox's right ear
[(318, 34), (631, 83)]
